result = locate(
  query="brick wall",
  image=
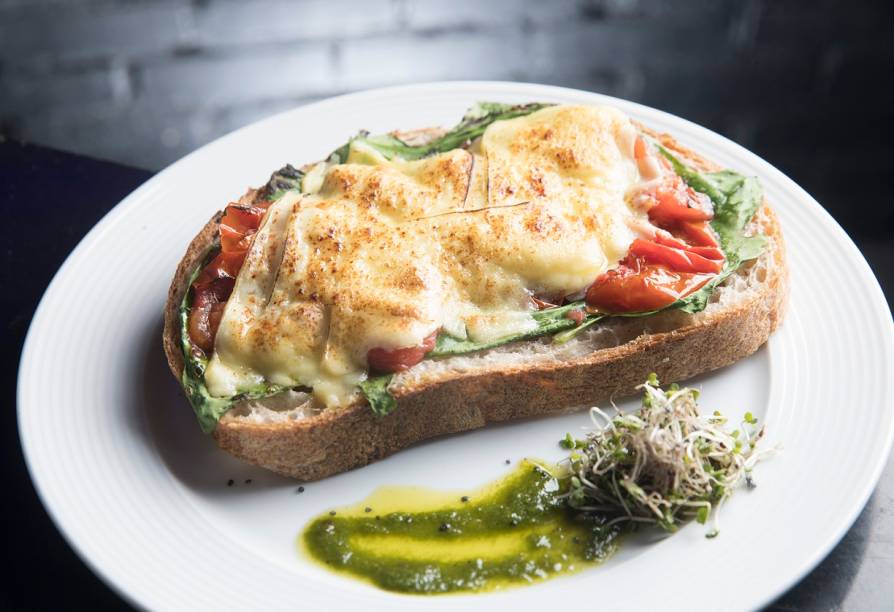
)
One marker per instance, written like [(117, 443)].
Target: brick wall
[(803, 83)]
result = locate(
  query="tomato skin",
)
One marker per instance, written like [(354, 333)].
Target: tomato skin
[(388, 361), (577, 315), (680, 260), (224, 265), (678, 204), (542, 304), (636, 286), (667, 239), (707, 252), (214, 284), (233, 241), (697, 233), (207, 309), (238, 226), (243, 218)]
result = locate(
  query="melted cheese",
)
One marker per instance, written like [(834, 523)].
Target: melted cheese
[(382, 253)]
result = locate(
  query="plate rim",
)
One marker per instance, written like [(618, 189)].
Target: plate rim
[(868, 279)]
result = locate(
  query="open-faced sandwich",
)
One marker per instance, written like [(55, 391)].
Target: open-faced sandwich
[(533, 259)]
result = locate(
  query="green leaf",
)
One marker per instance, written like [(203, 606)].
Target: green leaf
[(695, 180), (340, 155), (285, 179), (375, 389), (208, 409), (567, 335), (702, 515), (570, 443), (549, 321), (473, 124)]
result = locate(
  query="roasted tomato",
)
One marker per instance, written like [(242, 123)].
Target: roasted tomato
[(207, 308), (681, 256), (238, 226), (709, 251), (543, 304), (387, 361), (637, 286), (698, 233), (708, 260), (214, 284)]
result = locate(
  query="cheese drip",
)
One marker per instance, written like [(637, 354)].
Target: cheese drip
[(382, 253)]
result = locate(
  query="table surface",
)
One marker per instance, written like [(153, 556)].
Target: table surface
[(64, 196)]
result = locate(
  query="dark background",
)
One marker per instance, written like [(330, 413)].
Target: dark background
[(804, 84)]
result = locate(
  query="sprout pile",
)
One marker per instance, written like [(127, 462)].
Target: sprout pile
[(665, 465)]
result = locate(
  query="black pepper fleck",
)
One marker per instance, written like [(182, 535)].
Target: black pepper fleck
[(367, 509), (248, 481), (507, 462), (464, 498), (230, 482), (444, 527), (299, 490)]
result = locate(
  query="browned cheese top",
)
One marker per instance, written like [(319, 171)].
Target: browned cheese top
[(381, 253)]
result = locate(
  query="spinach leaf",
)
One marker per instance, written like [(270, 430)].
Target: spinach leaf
[(285, 179), (694, 179), (548, 321), (567, 335), (473, 124), (375, 389)]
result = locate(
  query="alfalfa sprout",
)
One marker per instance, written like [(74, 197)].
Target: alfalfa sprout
[(664, 465)]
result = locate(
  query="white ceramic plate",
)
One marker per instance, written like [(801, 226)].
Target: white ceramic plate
[(141, 494)]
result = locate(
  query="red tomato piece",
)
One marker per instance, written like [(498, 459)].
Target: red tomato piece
[(207, 308), (577, 315), (238, 225), (679, 260), (243, 218), (676, 202), (707, 252), (213, 286), (698, 233), (639, 287), (224, 265), (667, 239), (386, 361), (232, 241)]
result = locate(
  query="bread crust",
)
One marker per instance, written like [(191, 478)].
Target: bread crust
[(337, 440)]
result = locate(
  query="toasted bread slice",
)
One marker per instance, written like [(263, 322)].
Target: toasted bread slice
[(290, 435)]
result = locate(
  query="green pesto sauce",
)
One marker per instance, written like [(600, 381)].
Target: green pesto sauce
[(515, 531)]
